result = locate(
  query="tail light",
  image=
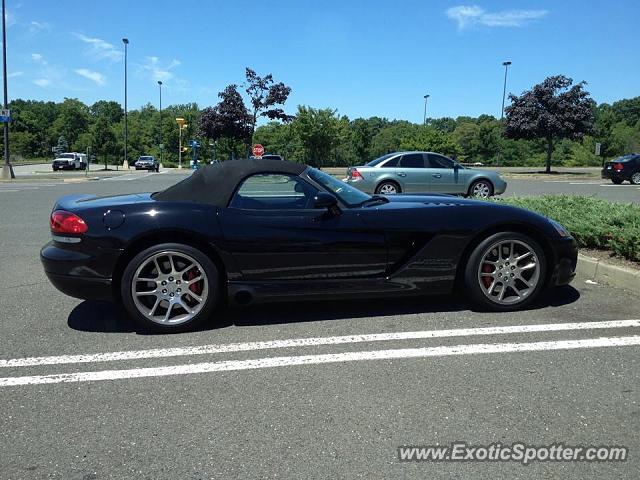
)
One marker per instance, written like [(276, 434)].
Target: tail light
[(67, 222), (618, 167), (355, 174)]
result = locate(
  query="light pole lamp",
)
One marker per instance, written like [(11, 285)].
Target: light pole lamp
[(424, 119), (161, 146), (7, 169), (504, 88), (182, 124), (125, 164)]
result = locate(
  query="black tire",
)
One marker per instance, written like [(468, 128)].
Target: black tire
[(388, 183), (635, 178), (617, 181), (488, 185), (474, 290), (55, 169), (147, 324)]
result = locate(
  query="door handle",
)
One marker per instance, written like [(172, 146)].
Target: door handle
[(402, 174), (436, 175)]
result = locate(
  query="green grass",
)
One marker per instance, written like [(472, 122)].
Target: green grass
[(594, 223)]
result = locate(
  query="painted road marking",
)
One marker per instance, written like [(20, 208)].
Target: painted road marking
[(272, 362), (313, 341)]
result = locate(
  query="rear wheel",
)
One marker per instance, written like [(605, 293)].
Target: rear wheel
[(170, 287), (481, 189), (506, 271), (617, 181), (635, 178), (388, 188)]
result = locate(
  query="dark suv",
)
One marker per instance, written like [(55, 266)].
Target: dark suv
[(147, 162), (623, 168)]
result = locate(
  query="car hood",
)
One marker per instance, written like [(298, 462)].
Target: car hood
[(85, 201)]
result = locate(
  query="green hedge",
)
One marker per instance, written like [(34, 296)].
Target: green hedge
[(593, 222)]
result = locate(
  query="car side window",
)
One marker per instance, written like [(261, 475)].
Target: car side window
[(273, 191), (438, 161), (393, 162), (412, 160)]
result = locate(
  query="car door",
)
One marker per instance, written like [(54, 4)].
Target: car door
[(274, 233), (444, 177), (412, 173)]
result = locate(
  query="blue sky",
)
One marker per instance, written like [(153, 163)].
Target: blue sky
[(362, 57)]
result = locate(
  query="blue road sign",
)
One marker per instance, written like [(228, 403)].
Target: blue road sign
[(5, 115)]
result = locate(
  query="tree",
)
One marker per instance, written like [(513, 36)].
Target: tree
[(72, 120), (551, 110), (265, 96), (228, 119), (317, 131), (62, 146)]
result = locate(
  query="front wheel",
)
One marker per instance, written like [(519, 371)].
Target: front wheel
[(170, 287), (635, 178), (388, 188), (481, 189), (506, 271)]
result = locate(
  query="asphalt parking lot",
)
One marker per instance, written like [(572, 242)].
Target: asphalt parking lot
[(86, 396)]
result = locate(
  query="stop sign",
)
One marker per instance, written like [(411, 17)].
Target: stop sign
[(258, 150)]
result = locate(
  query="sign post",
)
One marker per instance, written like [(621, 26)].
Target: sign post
[(258, 150)]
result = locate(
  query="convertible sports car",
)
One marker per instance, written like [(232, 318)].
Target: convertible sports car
[(256, 230)]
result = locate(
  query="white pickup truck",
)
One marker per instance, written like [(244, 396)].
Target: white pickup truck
[(70, 161)]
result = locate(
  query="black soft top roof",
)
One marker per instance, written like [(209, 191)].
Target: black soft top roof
[(216, 183)]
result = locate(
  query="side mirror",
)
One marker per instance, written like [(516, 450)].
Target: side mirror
[(324, 200)]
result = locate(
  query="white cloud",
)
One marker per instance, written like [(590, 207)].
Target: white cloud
[(42, 82), (15, 74), (471, 15), (35, 27), (38, 58), (157, 71), (96, 77), (100, 49)]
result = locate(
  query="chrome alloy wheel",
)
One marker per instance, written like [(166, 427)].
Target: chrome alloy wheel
[(481, 189), (388, 189), (635, 178), (509, 272), (169, 288)]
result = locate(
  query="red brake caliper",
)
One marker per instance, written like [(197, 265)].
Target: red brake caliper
[(197, 286), (486, 268)]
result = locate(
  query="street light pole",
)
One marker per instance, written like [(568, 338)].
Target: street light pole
[(424, 120), (161, 142), (7, 169), (181, 126), (125, 164), (504, 88)]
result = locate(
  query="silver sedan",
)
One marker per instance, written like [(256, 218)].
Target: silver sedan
[(423, 172)]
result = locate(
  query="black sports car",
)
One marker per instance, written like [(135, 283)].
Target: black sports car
[(623, 168), (257, 230)]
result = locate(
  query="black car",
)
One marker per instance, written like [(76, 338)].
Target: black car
[(261, 230), (623, 168)]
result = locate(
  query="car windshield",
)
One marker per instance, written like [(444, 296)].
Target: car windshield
[(66, 155), (379, 160), (345, 192), (145, 158), (624, 158)]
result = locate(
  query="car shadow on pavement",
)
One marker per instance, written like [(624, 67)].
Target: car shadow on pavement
[(92, 316)]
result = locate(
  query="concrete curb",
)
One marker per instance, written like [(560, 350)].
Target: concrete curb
[(602, 272)]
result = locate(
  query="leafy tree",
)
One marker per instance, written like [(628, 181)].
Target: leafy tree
[(229, 118), (317, 131), (62, 146), (553, 109), (265, 96), (72, 120)]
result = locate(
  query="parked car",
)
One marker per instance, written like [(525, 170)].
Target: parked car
[(285, 231), (268, 156), (423, 172), (623, 168), (69, 161), (147, 162)]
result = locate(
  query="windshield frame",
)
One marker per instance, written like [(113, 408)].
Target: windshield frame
[(337, 187)]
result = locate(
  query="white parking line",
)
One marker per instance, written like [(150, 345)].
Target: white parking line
[(273, 362), (313, 341)]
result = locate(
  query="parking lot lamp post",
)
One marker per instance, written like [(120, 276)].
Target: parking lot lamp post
[(504, 88), (424, 120), (161, 142), (125, 164), (7, 169)]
